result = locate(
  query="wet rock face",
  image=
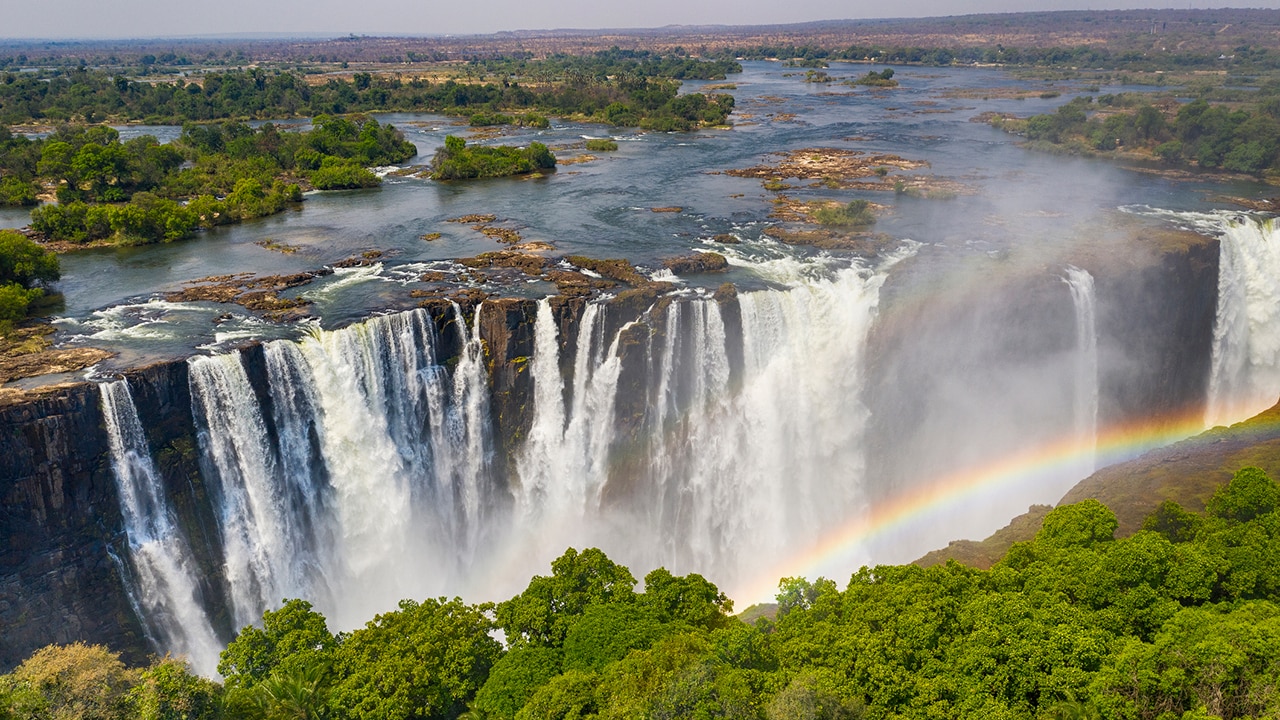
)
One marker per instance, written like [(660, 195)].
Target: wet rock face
[(983, 369), (59, 525), (1159, 318)]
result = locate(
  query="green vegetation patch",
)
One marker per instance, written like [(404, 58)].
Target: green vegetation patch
[(882, 79), (457, 161), (855, 213), (25, 268), (140, 192), (1201, 134), (1181, 620)]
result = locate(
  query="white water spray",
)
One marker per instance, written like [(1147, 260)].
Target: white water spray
[(1245, 376), (162, 586), (1086, 377), (260, 542)]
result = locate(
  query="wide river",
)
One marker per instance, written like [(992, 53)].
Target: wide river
[(1014, 198)]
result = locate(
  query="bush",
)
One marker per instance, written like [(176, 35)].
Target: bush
[(14, 191), (457, 161), (856, 213), (601, 145), (24, 262), (484, 119), (335, 174), (14, 301)]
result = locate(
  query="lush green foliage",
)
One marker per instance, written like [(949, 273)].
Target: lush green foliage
[(884, 78), (24, 266), (69, 683), (855, 213), (456, 161), (1181, 620), (293, 637), (1243, 139), (425, 660), (601, 145), (645, 84), (142, 192)]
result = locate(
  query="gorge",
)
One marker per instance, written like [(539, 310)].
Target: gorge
[(804, 413), (430, 451)]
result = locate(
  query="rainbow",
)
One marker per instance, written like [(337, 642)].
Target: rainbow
[(836, 552)]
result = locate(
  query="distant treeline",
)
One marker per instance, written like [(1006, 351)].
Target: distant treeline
[(1241, 139), (141, 192), (618, 88), (1180, 620), (1079, 57), (601, 65)]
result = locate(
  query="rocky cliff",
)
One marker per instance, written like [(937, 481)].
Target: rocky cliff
[(61, 534)]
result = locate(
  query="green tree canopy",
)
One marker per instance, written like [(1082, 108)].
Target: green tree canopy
[(1250, 493), (425, 660), (542, 614), (24, 262), (295, 636)]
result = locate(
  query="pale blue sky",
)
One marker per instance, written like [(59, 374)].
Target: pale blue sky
[(167, 18)]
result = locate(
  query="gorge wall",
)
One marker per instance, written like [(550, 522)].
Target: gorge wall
[(699, 431)]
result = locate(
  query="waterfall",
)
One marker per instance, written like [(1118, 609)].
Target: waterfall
[(538, 462), (163, 585), (1245, 376), (403, 447), (360, 470), (564, 466), (1086, 376), (260, 541)]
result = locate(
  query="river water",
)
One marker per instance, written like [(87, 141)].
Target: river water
[(1020, 200), (369, 475)]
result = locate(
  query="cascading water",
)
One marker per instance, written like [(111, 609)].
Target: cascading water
[(1086, 380), (260, 539), (162, 584), (366, 473), (378, 484), (1245, 378)]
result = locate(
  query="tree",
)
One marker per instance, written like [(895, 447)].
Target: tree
[(606, 632), (1081, 524), (170, 691), (75, 682), (24, 262), (797, 593), (1172, 521), (514, 679), (293, 637), (425, 660), (571, 696), (542, 614), (691, 599), (810, 696), (1250, 493), (293, 693)]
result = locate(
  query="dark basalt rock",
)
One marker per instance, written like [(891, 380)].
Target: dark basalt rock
[(61, 531), (59, 528), (703, 262)]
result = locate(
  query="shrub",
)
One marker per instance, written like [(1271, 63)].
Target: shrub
[(14, 191), (23, 261), (457, 161), (335, 174), (601, 145), (856, 213)]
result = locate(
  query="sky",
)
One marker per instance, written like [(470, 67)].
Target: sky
[(110, 19)]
